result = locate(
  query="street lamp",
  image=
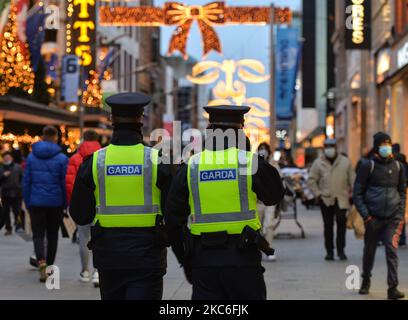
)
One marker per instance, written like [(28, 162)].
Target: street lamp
[(73, 108)]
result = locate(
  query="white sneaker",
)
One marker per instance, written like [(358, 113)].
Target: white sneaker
[(269, 258), (95, 279), (84, 276)]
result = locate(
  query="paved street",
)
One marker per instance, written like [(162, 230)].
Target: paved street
[(299, 273)]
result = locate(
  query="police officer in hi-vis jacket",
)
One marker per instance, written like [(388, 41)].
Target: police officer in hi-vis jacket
[(122, 190), (211, 212)]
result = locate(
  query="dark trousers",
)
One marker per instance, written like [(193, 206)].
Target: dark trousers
[(229, 283), (45, 222), (329, 214), (143, 284), (13, 204), (391, 230)]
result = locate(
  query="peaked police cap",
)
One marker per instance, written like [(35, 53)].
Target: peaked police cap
[(227, 115), (128, 104)]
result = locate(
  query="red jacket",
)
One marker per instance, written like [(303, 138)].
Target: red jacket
[(85, 149)]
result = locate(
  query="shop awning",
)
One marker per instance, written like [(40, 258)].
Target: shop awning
[(12, 108)]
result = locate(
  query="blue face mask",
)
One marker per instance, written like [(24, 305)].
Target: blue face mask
[(385, 151)]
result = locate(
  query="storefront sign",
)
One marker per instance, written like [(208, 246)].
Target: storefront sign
[(399, 56), (70, 79), (82, 31), (358, 24)]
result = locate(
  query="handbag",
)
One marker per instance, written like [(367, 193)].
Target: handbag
[(356, 222)]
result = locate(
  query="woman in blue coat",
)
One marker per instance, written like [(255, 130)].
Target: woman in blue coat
[(45, 195)]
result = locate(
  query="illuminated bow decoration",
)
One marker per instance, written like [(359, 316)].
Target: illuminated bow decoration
[(206, 16), (175, 13)]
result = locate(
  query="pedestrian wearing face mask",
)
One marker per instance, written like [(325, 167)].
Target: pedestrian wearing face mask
[(331, 179), (379, 196)]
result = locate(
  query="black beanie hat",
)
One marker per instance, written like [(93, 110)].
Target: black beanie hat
[(380, 138)]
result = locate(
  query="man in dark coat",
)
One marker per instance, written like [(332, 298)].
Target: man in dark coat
[(379, 196)]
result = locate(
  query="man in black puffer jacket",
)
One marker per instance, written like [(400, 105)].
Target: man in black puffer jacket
[(380, 195)]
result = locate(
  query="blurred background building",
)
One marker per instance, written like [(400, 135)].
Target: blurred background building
[(371, 77)]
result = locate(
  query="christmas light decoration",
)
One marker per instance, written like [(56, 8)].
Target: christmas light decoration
[(24, 139), (93, 94), (183, 16), (15, 70), (248, 70), (233, 92), (71, 138)]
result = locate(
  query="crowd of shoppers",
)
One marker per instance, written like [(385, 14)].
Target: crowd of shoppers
[(45, 182), (377, 189)]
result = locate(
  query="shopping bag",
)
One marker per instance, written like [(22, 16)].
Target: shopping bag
[(69, 225), (356, 222)]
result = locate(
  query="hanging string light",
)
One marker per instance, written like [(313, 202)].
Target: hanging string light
[(182, 16), (93, 94), (15, 69)]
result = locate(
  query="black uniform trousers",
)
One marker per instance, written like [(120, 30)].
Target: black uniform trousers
[(391, 230), (329, 214), (140, 284), (229, 283)]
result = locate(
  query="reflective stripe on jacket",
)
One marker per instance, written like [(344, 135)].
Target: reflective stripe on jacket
[(221, 197), (126, 193)]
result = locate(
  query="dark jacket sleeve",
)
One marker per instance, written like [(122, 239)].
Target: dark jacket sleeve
[(164, 178), (267, 183), (82, 209), (360, 187), (402, 189), (177, 212)]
